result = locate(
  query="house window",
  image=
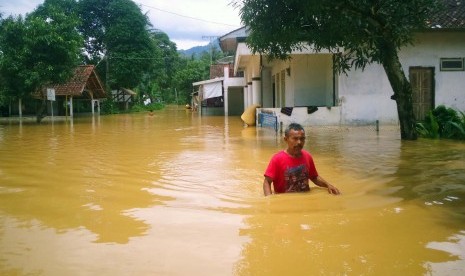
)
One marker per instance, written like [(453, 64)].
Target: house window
[(452, 64), (239, 74)]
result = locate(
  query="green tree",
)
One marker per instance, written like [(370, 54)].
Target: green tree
[(191, 70), (158, 81), (116, 30), (41, 49), (368, 31)]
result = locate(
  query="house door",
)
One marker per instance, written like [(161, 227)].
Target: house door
[(235, 101), (422, 81)]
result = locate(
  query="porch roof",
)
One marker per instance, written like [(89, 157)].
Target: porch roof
[(84, 79), (207, 81), (228, 42)]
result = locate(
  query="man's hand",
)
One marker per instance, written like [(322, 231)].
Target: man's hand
[(319, 181), (333, 190), (267, 186)]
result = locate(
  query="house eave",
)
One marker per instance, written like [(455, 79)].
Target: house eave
[(207, 81)]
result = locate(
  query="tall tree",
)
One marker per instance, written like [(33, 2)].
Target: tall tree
[(191, 70), (43, 48), (158, 81), (367, 31), (117, 31)]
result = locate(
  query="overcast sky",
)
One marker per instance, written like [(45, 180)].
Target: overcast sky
[(188, 23)]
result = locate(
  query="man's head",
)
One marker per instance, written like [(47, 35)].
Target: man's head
[(294, 135), (293, 126)]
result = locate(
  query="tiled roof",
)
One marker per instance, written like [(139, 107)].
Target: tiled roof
[(84, 79), (452, 17)]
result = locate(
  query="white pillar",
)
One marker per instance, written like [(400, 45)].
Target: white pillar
[(71, 106), (256, 88), (20, 106), (225, 87), (226, 101)]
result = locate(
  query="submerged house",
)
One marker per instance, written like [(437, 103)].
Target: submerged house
[(305, 88)]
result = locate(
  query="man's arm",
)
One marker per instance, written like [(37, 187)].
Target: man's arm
[(267, 185), (319, 181)]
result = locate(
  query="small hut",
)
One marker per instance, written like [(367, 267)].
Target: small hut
[(81, 94), (124, 97)]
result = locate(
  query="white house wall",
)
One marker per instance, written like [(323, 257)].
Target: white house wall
[(365, 97), (427, 51)]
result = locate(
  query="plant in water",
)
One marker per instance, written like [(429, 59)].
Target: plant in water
[(443, 122), (109, 107), (457, 128), (429, 128)]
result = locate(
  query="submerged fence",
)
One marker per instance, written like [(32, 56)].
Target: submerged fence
[(268, 120)]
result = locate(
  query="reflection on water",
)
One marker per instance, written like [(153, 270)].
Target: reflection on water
[(179, 194)]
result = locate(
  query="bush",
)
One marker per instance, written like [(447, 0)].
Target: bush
[(457, 128), (137, 108), (154, 106), (108, 106), (443, 122), (429, 128)]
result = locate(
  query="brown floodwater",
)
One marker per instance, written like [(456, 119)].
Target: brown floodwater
[(179, 194)]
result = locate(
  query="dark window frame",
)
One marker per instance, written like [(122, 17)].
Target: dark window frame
[(450, 66)]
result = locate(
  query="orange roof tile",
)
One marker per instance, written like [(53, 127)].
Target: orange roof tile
[(84, 79)]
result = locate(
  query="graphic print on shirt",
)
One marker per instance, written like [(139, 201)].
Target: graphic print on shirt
[(296, 179)]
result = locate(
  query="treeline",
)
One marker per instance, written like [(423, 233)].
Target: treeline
[(46, 45)]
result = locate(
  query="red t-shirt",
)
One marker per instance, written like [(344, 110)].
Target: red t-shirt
[(291, 174)]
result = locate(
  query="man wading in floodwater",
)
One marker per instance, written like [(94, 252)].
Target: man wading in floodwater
[(289, 170)]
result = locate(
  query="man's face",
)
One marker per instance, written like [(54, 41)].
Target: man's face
[(295, 141)]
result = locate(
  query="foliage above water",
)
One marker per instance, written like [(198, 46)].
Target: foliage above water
[(443, 122)]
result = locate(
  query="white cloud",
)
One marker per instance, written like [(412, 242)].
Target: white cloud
[(185, 21), (16, 7)]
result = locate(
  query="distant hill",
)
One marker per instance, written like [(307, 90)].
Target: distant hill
[(197, 50)]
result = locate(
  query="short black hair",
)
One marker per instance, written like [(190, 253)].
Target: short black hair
[(293, 126)]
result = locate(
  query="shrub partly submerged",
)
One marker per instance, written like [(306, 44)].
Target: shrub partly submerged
[(443, 122)]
